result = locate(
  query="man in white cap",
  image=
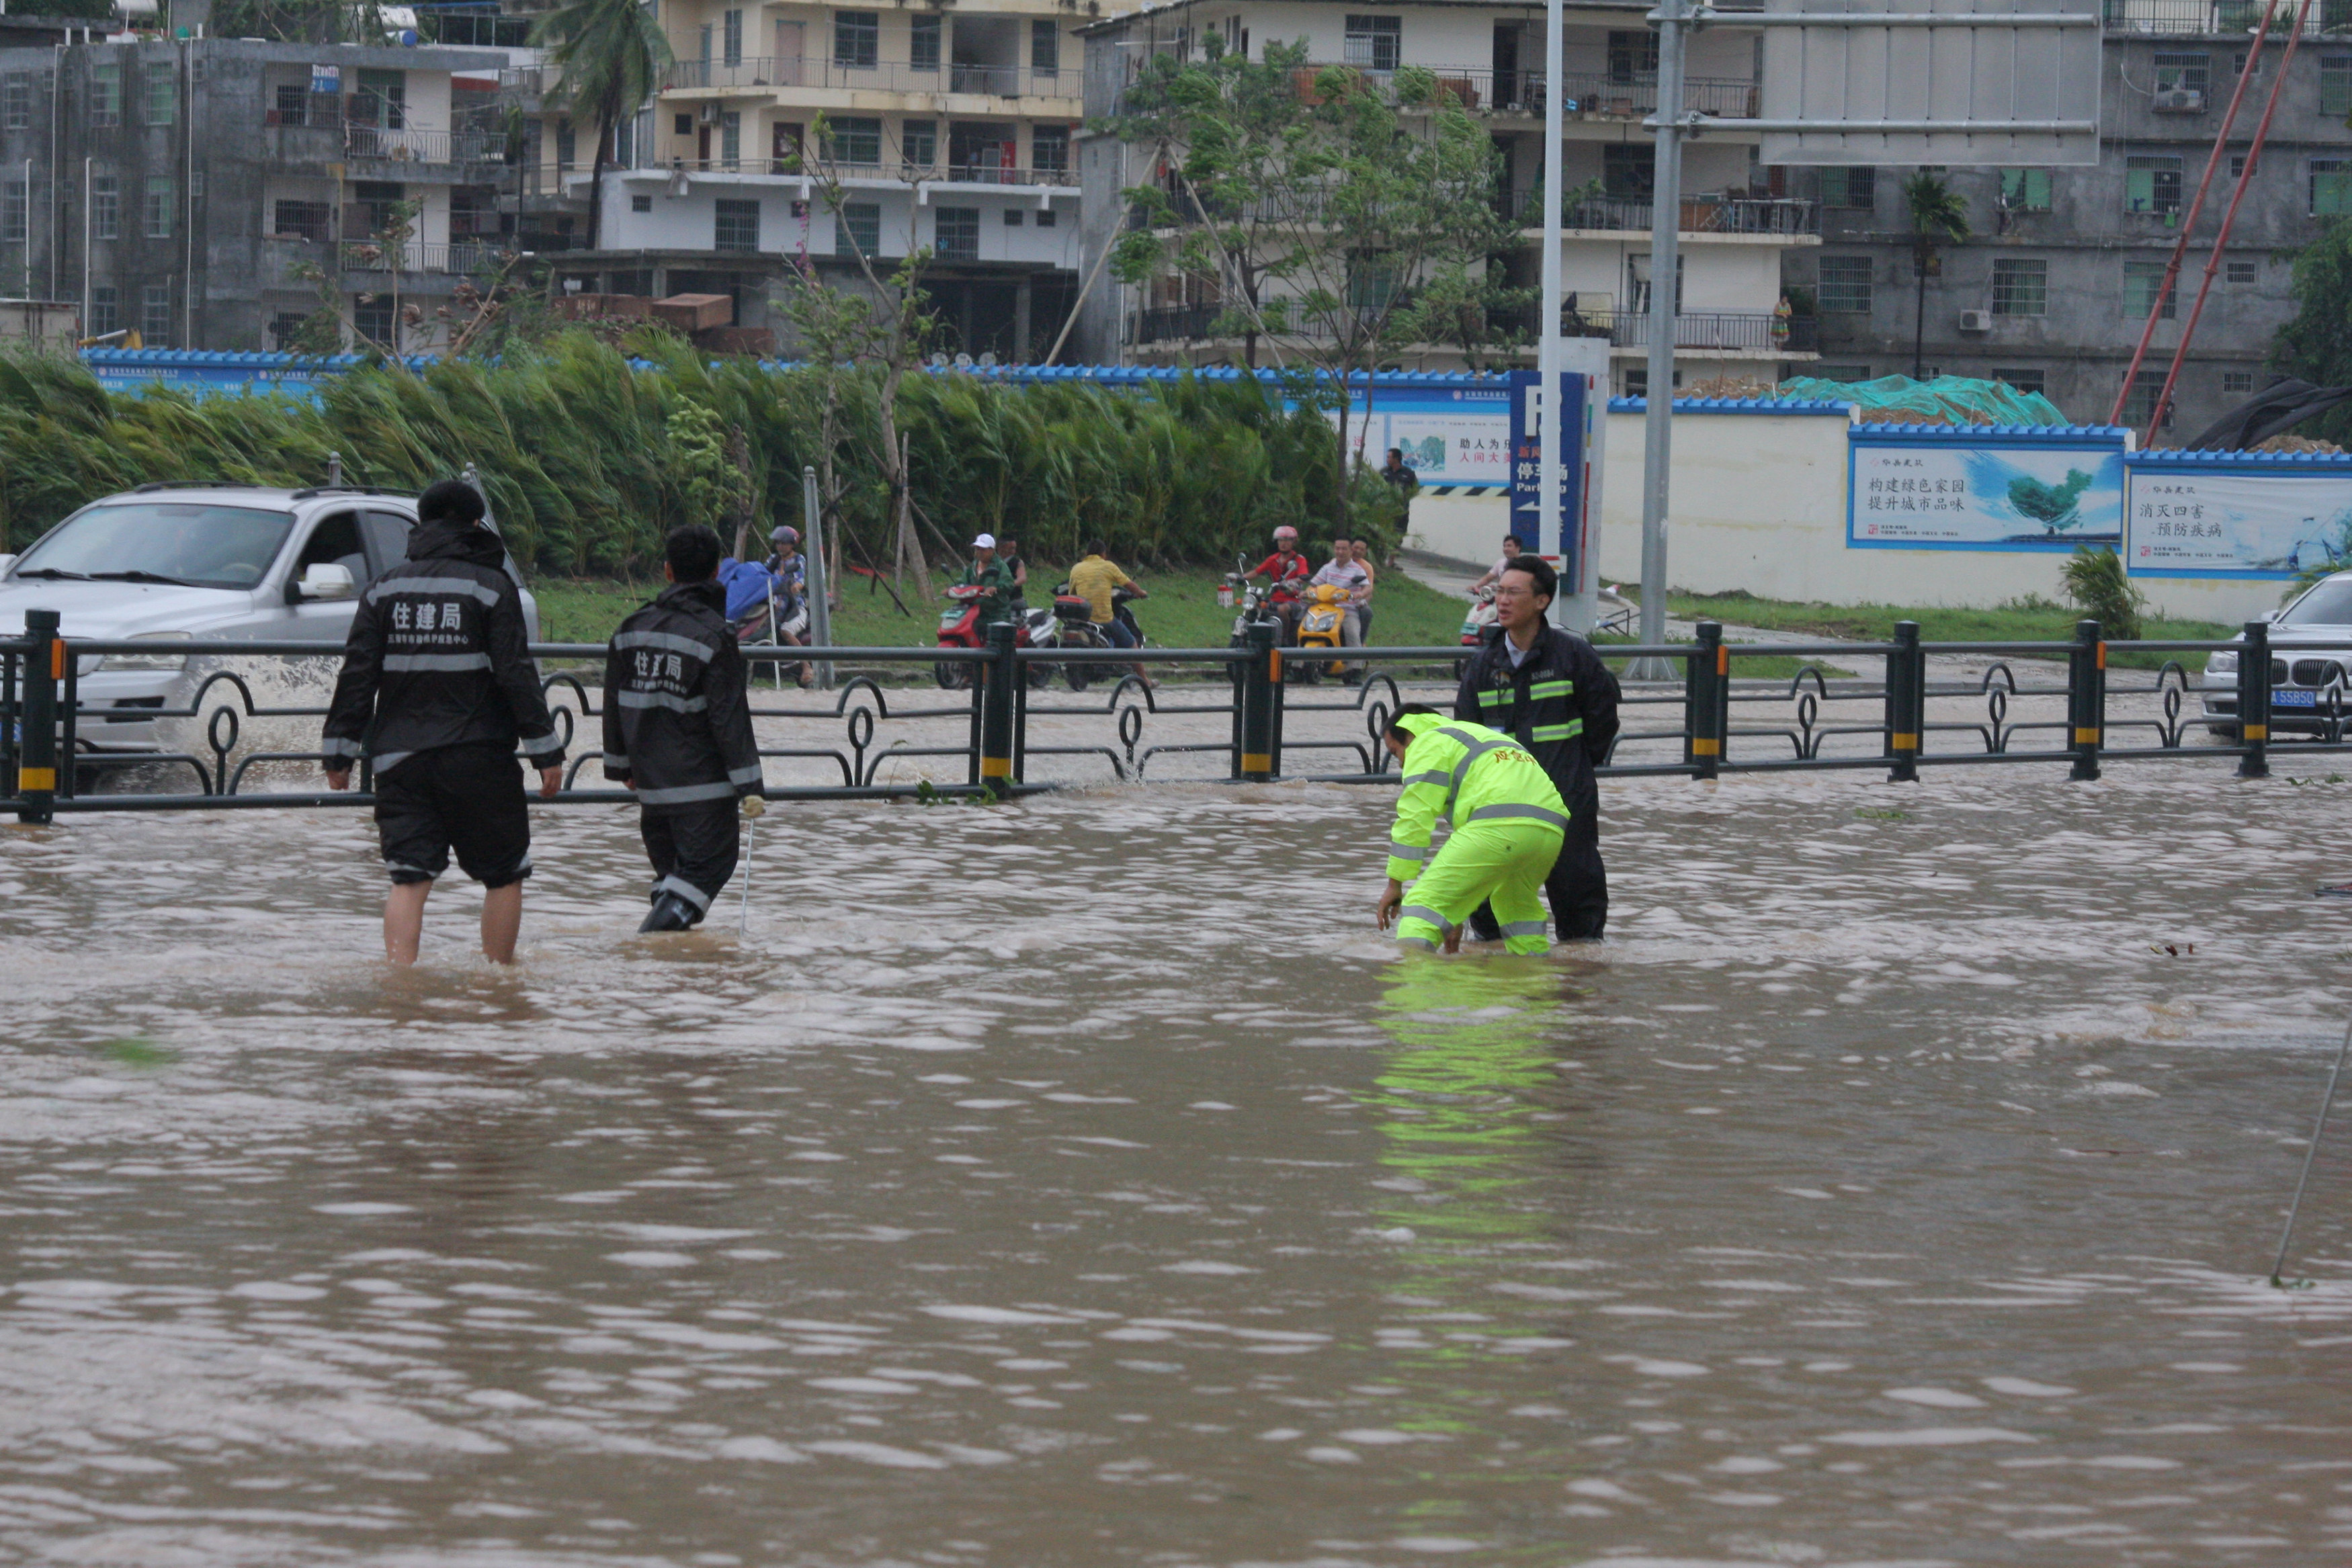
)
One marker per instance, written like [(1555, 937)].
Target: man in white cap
[(987, 571)]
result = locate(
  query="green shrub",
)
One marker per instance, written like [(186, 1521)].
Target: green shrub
[(2096, 586)]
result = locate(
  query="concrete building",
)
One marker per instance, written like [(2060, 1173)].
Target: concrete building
[(946, 129), (1737, 220), (2052, 292), (211, 192)]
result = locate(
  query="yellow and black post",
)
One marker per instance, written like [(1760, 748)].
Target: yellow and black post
[(2086, 698), (2254, 701), (1254, 758), (1906, 703), (1707, 702), (36, 765), (998, 676)]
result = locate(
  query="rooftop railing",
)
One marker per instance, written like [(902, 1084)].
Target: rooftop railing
[(756, 73)]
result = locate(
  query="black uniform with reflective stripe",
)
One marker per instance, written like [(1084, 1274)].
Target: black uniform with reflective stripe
[(677, 718), (1560, 704), (439, 655)]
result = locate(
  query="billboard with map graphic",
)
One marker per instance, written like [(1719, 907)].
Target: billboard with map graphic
[(1983, 490)]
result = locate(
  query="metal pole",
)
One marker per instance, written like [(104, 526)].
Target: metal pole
[(1259, 673), (2311, 1154), (1665, 274), (2086, 698), (820, 600), (1550, 425), (36, 771), (1906, 704), (998, 677), (2254, 701), (1704, 714)]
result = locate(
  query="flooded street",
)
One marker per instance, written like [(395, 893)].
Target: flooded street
[(1084, 1181)]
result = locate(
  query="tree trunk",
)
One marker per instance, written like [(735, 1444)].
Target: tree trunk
[(894, 471), (596, 178), (1340, 524)]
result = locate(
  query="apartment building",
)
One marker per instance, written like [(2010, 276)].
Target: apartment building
[(2052, 292), (1737, 221), (208, 192), (950, 129)]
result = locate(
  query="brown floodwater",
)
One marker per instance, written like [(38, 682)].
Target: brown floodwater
[(1083, 1181)]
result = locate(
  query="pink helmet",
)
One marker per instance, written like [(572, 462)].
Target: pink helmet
[(1286, 532)]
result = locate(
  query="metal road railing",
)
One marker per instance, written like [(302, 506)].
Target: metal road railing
[(1704, 725)]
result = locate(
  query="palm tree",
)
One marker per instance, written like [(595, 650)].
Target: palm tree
[(1939, 217), (608, 57)]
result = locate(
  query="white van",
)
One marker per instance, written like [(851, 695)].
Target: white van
[(173, 564)]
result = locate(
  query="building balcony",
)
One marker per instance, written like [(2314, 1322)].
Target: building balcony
[(1595, 95), (860, 176), (1717, 214), (2218, 17), (752, 76), (465, 258), (1701, 333), (318, 135)]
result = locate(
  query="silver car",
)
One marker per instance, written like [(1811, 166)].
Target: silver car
[(2311, 664), (168, 564)]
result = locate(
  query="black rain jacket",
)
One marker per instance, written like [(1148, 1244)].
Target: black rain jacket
[(677, 713), (439, 655), (1560, 704)]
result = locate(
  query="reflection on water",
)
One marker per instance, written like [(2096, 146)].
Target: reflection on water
[(1084, 1181)]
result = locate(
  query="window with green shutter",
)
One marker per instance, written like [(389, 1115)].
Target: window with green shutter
[(2144, 292), (2025, 190), (2331, 187), (2152, 183)]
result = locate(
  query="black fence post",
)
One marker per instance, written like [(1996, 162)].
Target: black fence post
[(2254, 701), (2086, 698), (36, 767), (998, 677), (1706, 711), (1906, 703), (1253, 761)]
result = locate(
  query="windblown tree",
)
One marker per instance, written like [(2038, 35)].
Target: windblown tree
[(1334, 217), (2315, 346), (1939, 216), (608, 56)]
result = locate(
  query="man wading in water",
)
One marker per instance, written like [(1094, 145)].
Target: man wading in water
[(437, 690), (677, 730)]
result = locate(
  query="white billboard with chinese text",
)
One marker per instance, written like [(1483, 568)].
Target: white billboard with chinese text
[(1978, 490), (2191, 516)]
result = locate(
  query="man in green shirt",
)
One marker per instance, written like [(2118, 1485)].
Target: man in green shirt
[(987, 571)]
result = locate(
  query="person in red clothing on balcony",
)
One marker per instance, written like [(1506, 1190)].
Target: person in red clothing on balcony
[(1288, 570)]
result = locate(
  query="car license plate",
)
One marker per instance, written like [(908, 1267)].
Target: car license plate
[(2283, 697)]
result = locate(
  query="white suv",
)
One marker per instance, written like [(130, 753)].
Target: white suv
[(173, 564)]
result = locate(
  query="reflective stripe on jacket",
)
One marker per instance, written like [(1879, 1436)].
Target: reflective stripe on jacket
[(1465, 773), (677, 713)]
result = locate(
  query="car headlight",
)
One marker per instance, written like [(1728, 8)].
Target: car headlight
[(2222, 663), (170, 663)]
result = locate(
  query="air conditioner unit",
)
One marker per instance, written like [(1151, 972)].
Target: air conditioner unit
[(2180, 100), (1976, 320), (707, 115)]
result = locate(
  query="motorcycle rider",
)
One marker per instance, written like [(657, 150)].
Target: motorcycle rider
[(1548, 688), (1342, 572), (790, 569), (438, 689), (1287, 568), (1506, 825), (1008, 550), (988, 572), (1511, 548), (1096, 581), (677, 731)]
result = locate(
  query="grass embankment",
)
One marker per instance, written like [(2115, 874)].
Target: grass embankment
[(2018, 620), (1182, 612)]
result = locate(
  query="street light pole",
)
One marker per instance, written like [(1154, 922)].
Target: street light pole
[(1550, 427), (1665, 277)]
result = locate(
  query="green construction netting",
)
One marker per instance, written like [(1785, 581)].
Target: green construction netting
[(1952, 399)]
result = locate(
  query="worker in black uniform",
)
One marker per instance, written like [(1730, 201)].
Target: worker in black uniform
[(677, 731), (1548, 688), (438, 691)]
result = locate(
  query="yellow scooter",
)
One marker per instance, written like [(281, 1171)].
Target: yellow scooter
[(1322, 612)]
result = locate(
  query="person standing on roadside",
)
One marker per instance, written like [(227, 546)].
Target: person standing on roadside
[(1549, 691), (437, 690), (677, 731)]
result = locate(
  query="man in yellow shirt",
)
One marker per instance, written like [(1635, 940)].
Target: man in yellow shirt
[(1094, 579)]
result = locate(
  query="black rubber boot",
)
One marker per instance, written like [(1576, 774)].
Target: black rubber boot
[(670, 913)]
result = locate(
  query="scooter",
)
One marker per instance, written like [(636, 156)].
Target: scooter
[(779, 615), (960, 627), (1474, 626), (1323, 612)]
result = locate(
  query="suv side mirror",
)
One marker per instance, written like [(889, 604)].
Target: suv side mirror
[(326, 580)]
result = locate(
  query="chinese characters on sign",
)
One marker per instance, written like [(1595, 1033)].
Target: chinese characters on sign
[(1934, 493), (2242, 523)]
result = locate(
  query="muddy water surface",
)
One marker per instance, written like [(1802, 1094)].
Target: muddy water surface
[(1081, 1182)]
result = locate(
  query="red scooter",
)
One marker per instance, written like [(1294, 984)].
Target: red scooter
[(960, 627)]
